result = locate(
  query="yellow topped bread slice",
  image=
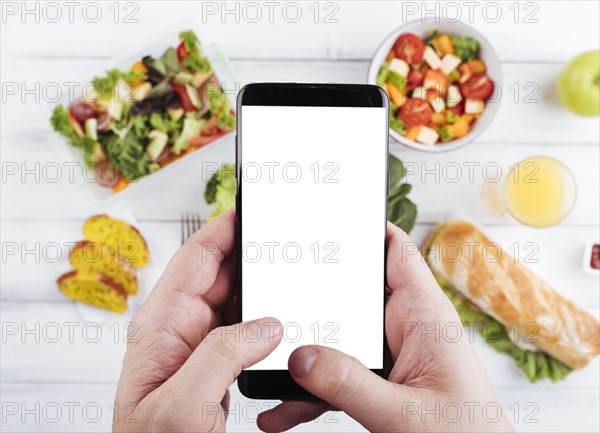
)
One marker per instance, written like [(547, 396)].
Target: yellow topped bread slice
[(88, 256), (119, 237), (93, 288)]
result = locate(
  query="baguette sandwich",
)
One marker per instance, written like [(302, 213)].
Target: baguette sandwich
[(515, 311)]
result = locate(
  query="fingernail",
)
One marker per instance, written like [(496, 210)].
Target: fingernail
[(270, 328), (301, 361)]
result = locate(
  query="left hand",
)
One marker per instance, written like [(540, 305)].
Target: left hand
[(179, 365)]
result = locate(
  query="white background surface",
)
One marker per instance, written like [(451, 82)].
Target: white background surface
[(39, 212), (324, 271)]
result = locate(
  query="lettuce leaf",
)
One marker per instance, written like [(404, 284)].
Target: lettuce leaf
[(126, 154), (61, 124), (401, 211), (535, 365), (221, 189), (465, 47)]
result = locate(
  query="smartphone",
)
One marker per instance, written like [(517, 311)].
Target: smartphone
[(311, 205)]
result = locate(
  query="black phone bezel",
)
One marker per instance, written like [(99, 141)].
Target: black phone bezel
[(279, 384)]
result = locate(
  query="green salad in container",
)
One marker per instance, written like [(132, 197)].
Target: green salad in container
[(131, 123)]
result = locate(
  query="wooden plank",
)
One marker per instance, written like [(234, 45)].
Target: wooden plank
[(32, 260), (53, 401), (39, 184), (529, 410), (529, 111), (359, 29), (41, 338)]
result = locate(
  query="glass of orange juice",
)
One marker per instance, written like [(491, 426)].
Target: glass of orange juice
[(539, 191)]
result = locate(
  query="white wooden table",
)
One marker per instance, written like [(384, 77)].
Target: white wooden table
[(64, 382)]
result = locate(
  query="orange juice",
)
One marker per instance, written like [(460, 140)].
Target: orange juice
[(539, 191)]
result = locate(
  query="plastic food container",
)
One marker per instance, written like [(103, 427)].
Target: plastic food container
[(101, 195)]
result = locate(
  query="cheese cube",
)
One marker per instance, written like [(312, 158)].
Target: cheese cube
[(400, 67), (432, 59), (449, 63), (438, 104), (420, 92), (453, 96), (427, 135), (474, 106)]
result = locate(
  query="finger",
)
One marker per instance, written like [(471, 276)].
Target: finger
[(219, 359), (345, 383), (290, 414), (414, 295), (405, 267), (195, 267)]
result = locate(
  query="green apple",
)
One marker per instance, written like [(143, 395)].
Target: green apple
[(578, 84)]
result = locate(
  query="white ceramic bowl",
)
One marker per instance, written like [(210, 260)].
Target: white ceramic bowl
[(421, 28)]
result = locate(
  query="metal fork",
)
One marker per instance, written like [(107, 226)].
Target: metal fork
[(190, 223)]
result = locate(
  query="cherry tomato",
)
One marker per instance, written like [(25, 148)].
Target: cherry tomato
[(184, 98), (436, 80), (82, 110), (414, 79), (210, 127), (459, 109), (202, 140), (106, 175), (409, 48), (478, 87), (104, 122), (416, 112), (164, 155), (182, 52)]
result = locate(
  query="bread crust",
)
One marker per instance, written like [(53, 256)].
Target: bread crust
[(112, 232), (528, 307), (99, 258), (93, 288)]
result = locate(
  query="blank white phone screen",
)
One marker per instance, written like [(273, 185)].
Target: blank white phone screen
[(313, 218)]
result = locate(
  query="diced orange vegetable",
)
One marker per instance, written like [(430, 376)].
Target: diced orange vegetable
[(460, 128), (139, 68), (171, 158), (439, 119), (390, 56), (413, 133), (436, 80), (465, 72), (75, 125), (443, 45), (120, 185), (396, 95), (432, 94), (477, 66), (470, 117)]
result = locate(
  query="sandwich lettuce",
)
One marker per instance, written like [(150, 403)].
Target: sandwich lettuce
[(535, 365)]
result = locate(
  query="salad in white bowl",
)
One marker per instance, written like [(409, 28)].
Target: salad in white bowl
[(442, 81)]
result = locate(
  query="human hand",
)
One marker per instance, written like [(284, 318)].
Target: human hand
[(179, 365), (436, 384)]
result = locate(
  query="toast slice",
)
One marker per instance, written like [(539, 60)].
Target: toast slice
[(87, 256), (93, 288), (119, 237)]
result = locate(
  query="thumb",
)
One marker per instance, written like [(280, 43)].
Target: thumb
[(345, 383), (219, 359)]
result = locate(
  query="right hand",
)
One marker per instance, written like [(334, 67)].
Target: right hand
[(436, 384)]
